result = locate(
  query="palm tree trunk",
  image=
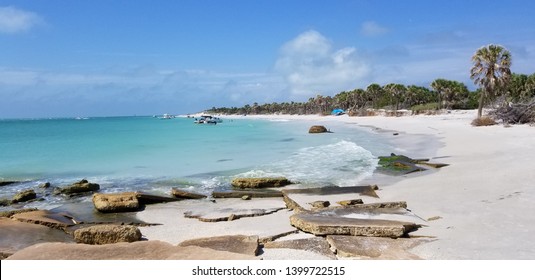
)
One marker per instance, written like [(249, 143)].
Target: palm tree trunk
[(480, 107)]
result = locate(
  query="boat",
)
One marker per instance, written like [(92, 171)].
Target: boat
[(166, 117), (207, 119)]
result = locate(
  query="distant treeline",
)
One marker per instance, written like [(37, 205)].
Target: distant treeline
[(442, 94)]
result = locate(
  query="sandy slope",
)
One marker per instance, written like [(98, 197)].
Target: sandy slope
[(484, 199)]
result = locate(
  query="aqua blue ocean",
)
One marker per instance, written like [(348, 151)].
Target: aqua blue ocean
[(154, 155)]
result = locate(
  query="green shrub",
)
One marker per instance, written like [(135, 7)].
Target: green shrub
[(425, 107)]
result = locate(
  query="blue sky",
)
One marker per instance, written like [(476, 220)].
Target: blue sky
[(138, 57)]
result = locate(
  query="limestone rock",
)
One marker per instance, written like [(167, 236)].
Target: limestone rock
[(24, 196), (45, 185), (254, 183), (257, 193), (300, 199), (145, 198), (316, 244), (380, 205), (9, 214), (317, 129), (374, 247), (5, 183), (186, 195), (120, 202), (233, 209), (145, 250), (356, 222), (82, 186), (223, 215), (320, 204), (241, 244), (107, 234), (17, 235), (350, 202), (46, 218), (5, 202)]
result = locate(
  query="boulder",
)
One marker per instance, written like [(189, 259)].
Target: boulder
[(46, 218), (107, 234), (24, 196), (82, 186), (317, 129), (241, 244), (120, 202), (186, 195), (255, 183), (127, 201), (146, 250)]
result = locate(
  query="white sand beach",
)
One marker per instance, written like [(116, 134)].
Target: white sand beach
[(481, 205)]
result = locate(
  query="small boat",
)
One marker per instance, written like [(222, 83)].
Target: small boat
[(166, 117), (207, 119)]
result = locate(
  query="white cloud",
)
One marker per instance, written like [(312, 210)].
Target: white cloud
[(13, 20), (310, 65), (371, 28)]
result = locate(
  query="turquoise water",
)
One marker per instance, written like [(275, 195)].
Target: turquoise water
[(150, 154)]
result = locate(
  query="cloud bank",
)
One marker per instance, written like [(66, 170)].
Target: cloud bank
[(310, 65), (13, 20)]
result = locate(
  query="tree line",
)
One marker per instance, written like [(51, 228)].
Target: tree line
[(490, 71)]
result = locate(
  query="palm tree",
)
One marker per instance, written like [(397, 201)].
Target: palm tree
[(396, 92), (491, 71)]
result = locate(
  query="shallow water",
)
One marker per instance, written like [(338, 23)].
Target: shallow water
[(153, 155)]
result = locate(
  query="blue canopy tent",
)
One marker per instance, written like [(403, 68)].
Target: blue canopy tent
[(337, 112)]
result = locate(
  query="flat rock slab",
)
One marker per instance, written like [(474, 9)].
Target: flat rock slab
[(85, 212), (46, 218), (382, 222), (146, 250), (301, 199), (15, 235), (241, 244), (182, 194), (176, 228), (375, 247), (256, 183), (232, 209), (316, 245)]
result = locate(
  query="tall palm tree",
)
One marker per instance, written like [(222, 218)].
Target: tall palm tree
[(491, 71)]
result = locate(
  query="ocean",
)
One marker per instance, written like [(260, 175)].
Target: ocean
[(154, 155)]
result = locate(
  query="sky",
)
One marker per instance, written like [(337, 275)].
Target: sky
[(149, 57)]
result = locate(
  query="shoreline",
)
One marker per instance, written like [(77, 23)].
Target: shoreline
[(480, 204), (476, 208)]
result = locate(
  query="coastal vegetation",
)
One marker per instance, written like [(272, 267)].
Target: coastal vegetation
[(498, 88)]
